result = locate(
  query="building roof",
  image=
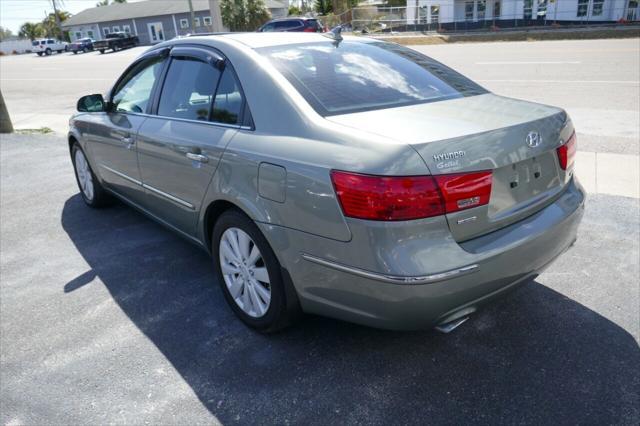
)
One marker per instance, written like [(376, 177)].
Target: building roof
[(142, 9)]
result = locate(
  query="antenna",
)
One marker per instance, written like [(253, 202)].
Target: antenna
[(335, 34)]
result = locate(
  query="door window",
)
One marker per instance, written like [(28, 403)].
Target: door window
[(134, 90), (188, 90), (228, 103)]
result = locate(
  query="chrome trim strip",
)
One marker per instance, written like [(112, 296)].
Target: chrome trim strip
[(186, 120), (393, 279), (122, 175), (150, 188), (169, 196)]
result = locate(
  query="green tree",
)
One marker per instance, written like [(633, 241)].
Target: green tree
[(5, 33), (31, 30), (323, 7), (396, 3), (50, 25), (294, 11), (243, 15)]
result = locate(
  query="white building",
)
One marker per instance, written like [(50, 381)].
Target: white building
[(445, 11)]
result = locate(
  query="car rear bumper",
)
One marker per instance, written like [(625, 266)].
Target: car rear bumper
[(481, 269)]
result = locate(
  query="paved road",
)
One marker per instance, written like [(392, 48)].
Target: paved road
[(107, 317)]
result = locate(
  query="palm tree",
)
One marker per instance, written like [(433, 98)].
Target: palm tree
[(31, 30), (106, 2)]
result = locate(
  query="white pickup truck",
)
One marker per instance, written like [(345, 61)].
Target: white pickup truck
[(47, 46)]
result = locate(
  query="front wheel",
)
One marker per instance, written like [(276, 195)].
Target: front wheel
[(47, 52), (101, 51), (91, 190), (249, 273)]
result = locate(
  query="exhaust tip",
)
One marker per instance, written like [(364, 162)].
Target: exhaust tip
[(450, 326)]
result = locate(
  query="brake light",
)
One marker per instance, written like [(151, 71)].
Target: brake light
[(309, 30), (392, 198), (567, 152), (465, 190)]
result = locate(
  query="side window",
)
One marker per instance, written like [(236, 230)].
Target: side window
[(188, 89), (268, 27), (134, 91), (228, 104)]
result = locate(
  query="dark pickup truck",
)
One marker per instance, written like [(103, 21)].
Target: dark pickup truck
[(115, 42)]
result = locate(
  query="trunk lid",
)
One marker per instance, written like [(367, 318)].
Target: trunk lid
[(485, 132)]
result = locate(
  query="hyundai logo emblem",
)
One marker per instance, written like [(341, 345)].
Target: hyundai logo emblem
[(533, 139)]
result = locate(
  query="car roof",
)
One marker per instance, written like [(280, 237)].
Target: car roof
[(258, 40), (294, 18)]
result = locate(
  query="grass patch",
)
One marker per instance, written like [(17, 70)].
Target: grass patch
[(40, 131)]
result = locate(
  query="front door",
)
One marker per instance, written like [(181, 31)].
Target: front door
[(113, 134), (156, 32), (179, 148)]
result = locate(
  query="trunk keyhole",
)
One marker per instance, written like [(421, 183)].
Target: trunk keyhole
[(514, 184), (536, 175)]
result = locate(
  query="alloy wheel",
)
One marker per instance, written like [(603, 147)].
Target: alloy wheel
[(244, 272), (85, 179)]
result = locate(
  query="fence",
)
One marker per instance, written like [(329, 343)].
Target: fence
[(478, 15), (7, 47)]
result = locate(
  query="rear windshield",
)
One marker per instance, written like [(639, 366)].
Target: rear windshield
[(359, 76)]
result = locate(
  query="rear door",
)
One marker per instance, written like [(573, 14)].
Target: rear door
[(198, 111)]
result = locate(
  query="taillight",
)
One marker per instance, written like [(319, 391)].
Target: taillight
[(465, 190), (409, 197), (309, 30), (567, 152)]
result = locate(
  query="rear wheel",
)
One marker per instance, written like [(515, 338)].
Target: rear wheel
[(91, 190), (47, 52), (249, 273)]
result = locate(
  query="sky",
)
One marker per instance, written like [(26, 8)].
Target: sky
[(14, 13)]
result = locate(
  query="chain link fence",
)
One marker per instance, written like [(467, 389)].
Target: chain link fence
[(491, 15)]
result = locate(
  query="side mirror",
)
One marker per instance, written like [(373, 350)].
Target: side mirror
[(91, 103)]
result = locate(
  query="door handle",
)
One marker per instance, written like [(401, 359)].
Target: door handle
[(197, 157), (128, 142)]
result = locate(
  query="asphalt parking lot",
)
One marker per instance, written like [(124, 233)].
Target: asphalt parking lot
[(106, 317)]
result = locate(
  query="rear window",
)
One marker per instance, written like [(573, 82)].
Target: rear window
[(359, 76)]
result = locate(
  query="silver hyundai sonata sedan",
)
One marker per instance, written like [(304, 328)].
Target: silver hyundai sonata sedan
[(344, 177)]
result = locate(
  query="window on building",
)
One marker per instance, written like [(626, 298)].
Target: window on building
[(422, 15), (184, 23), (196, 21), (188, 90), (90, 34), (105, 31), (126, 29), (632, 10), (78, 35), (116, 29), (497, 9), (207, 20), (542, 9), (468, 11), (435, 14), (583, 8), (528, 9), (598, 7), (481, 9)]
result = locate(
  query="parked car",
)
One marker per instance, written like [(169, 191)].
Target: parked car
[(351, 178), (307, 25), (47, 46), (81, 45), (115, 42)]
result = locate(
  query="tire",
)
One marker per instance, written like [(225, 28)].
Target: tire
[(114, 48), (85, 49), (101, 51), (275, 316), (97, 196), (60, 51), (39, 53), (47, 52), (75, 52)]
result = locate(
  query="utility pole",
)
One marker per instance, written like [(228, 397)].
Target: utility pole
[(193, 16), (5, 120), (216, 17), (55, 12)]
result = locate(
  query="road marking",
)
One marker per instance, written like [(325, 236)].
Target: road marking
[(528, 62), (565, 81), (606, 173)]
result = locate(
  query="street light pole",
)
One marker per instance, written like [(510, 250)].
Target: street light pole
[(193, 16)]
